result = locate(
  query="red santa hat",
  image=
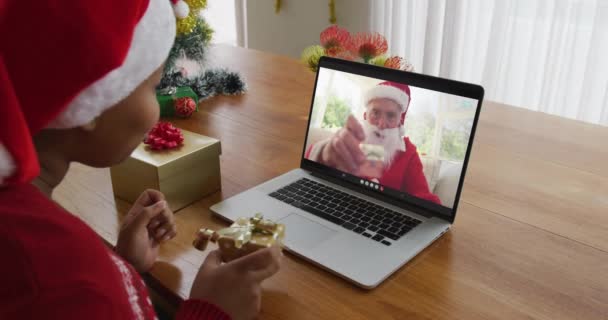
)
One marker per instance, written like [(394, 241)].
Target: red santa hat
[(398, 92), (63, 63)]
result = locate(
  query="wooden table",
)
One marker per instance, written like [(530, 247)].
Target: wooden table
[(530, 240)]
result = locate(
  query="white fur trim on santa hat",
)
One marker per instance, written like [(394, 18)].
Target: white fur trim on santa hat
[(152, 40), (389, 92), (7, 165)]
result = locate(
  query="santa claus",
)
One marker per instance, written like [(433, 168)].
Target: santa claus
[(348, 149)]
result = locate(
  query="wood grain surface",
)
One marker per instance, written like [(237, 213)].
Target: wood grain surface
[(530, 239)]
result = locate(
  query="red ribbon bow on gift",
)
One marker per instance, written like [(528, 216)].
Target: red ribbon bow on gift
[(164, 136)]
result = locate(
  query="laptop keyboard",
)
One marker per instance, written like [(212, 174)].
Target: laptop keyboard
[(360, 216)]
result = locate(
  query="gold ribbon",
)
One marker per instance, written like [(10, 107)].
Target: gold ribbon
[(243, 229)]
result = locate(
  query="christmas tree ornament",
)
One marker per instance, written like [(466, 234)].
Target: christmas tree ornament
[(244, 236), (181, 9), (184, 107), (187, 13)]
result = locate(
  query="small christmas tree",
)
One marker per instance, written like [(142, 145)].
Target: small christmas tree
[(185, 66)]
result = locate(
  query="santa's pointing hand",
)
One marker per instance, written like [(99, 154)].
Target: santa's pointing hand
[(343, 151)]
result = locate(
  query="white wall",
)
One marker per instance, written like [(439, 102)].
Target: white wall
[(221, 17), (299, 23)]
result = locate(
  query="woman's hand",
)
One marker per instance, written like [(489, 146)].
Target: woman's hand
[(147, 224), (236, 286)]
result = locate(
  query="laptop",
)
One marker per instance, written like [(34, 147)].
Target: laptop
[(363, 222)]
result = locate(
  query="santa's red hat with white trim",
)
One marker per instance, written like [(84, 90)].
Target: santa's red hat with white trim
[(63, 63), (398, 92)]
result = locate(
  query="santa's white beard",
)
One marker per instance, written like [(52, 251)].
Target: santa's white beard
[(390, 139)]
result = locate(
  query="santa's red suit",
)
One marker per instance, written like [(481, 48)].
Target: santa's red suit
[(62, 64), (405, 173)]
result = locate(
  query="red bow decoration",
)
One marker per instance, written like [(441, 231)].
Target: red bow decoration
[(164, 136)]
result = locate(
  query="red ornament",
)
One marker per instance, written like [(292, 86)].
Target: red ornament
[(184, 107), (164, 136)]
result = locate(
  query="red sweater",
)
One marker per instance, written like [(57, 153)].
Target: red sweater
[(55, 267), (404, 174)]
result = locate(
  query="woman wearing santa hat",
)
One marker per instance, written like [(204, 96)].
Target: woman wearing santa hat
[(386, 105), (77, 83)]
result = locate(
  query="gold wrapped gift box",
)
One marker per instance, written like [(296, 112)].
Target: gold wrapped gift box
[(244, 236), (373, 167), (184, 174)]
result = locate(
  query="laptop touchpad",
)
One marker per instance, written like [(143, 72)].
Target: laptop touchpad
[(303, 233)]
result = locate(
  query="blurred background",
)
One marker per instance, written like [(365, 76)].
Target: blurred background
[(544, 55)]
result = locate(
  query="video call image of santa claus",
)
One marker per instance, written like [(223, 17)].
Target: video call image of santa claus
[(371, 143)]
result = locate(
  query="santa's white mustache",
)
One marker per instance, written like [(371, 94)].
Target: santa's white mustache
[(373, 132)]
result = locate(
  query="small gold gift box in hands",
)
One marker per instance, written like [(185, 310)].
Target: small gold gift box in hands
[(244, 236), (373, 167)]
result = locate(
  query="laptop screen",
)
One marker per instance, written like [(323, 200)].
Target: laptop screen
[(392, 137)]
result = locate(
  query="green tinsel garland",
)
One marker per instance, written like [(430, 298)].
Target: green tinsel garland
[(209, 84), (193, 46)]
